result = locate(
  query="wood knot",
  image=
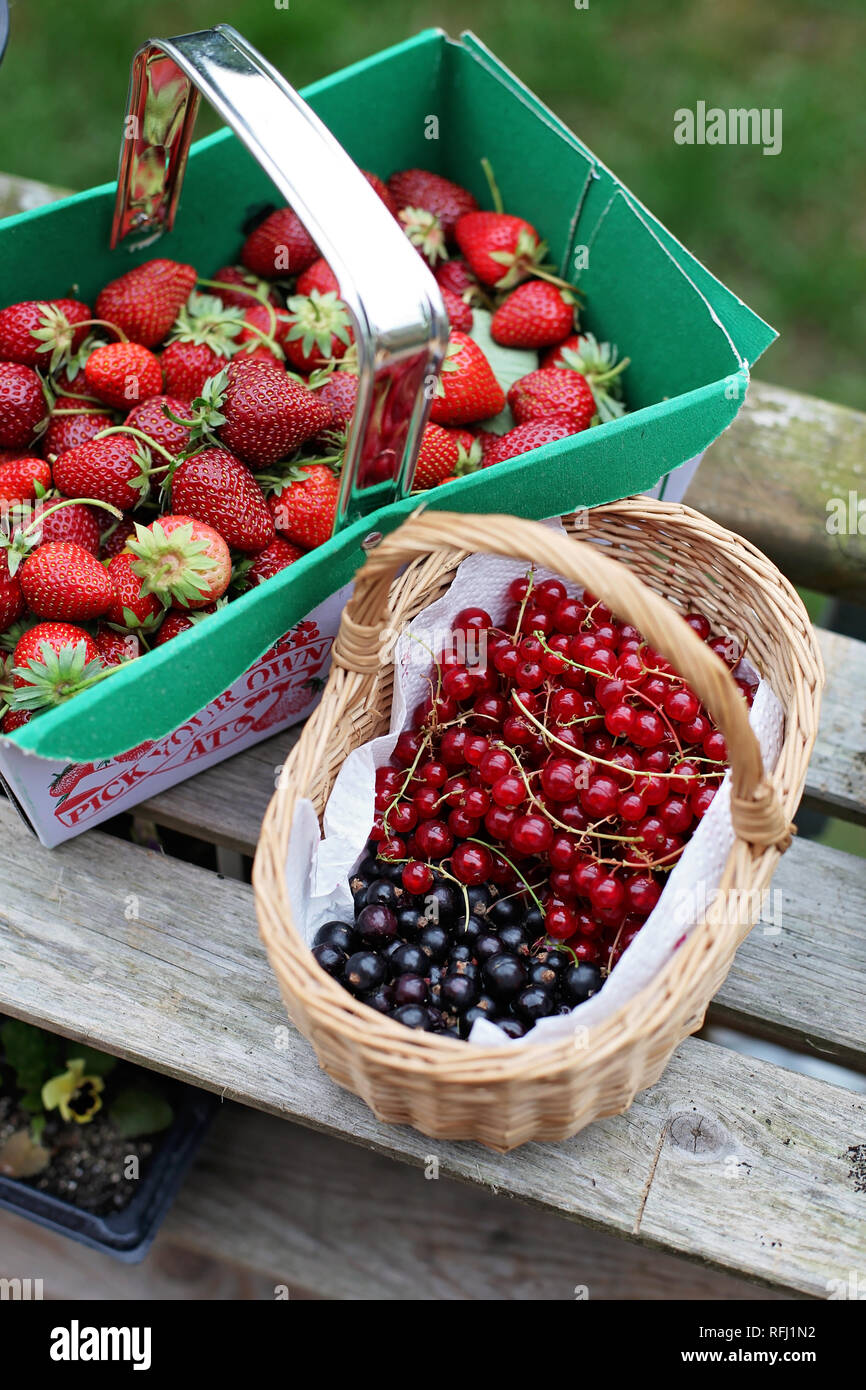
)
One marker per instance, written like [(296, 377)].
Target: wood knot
[(698, 1135)]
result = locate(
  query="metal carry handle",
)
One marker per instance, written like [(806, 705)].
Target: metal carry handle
[(401, 327)]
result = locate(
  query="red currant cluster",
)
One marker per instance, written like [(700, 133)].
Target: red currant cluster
[(557, 758)]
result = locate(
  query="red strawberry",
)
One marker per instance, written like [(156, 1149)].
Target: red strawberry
[(384, 193), (340, 391), (267, 414), (318, 276), (279, 246), (467, 389), (67, 431), (122, 374), (553, 391), (260, 323), (151, 418), (533, 435), (275, 557), (554, 356), (187, 366), (30, 330), (62, 580), (130, 607), (22, 405), (216, 487), (15, 719), (74, 522), (459, 312), (114, 538), (113, 470), (181, 560), (305, 506), (455, 275), (533, 316), (23, 480), (67, 780), (319, 329), (437, 457), (12, 603), (592, 361), (501, 249), (173, 624), (249, 286), (117, 647), (418, 188), (145, 302), (52, 663)]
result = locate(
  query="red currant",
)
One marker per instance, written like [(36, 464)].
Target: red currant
[(531, 834), (434, 839), (509, 791), (417, 878)]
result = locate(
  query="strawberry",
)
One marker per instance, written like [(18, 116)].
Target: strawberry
[(216, 487), (279, 246), (554, 357), (534, 315), (23, 480), (456, 276), (117, 647), (174, 623), (181, 560), (12, 603), (187, 366), (15, 719), (30, 329), (249, 288), (113, 470), (384, 193), (533, 435), (114, 539), (424, 230), (62, 580), (340, 391), (437, 457), (67, 431), (152, 419), (581, 391), (275, 557), (318, 276), (319, 329), (447, 201), (304, 507), (122, 374), (74, 522), (130, 607), (67, 780), (52, 663), (467, 389), (262, 413), (22, 405), (145, 302), (459, 313), (264, 327), (502, 250)]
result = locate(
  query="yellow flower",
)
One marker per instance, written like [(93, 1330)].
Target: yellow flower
[(76, 1096)]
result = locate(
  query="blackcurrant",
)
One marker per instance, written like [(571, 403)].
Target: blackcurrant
[(458, 992), (408, 958), (330, 958), (381, 891), (533, 923), (511, 1027), (414, 1016), (471, 1015), (534, 1003), (381, 999), (409, 923), (336, 934), (434, 941), (376, 925), (486, 945), (504, 976), (470, 928), (513, 938), (441, 904), (365, 970), (409, 989), (480, 898), (580, 982), (541, 974), (462, 951), (505, 912)]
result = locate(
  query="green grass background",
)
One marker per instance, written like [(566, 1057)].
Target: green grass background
[(787, 233)]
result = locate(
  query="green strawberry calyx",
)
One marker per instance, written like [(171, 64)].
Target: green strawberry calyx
[(56, 676), (424, 230), (207, 414), (173, 565), (597, 363), (317, 319), (206, 322)]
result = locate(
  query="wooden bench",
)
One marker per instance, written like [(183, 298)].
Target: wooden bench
[(733, 1177)]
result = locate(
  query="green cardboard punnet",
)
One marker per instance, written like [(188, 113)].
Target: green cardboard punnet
[(643, 291)]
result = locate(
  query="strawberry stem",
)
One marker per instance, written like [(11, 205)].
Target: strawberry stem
[(496, 196), (139, 434)]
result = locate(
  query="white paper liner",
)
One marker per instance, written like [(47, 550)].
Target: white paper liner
[(318, 868)]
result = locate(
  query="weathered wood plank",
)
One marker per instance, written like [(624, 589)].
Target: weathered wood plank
[(771, 476), (183, 986), (275, 1197), (225, 805)]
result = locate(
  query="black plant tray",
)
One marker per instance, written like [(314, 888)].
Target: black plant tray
[(127, 1234)]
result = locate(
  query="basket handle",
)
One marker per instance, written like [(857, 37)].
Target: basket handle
[(756, 812), (401, 328)]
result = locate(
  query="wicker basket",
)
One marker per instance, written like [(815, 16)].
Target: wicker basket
[(654, 555)]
